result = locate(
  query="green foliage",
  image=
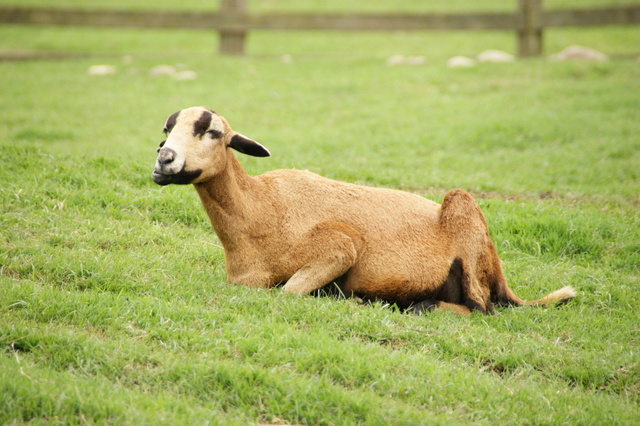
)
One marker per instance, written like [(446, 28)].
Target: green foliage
[(114, 307)]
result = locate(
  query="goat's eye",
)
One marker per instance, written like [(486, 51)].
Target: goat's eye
[(215, 134)]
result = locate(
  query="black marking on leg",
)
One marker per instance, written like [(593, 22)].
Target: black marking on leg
[(451, 290), (421, 308), (474, 306), (503, 300)]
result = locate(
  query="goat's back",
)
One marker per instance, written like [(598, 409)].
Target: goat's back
[(307, 199)]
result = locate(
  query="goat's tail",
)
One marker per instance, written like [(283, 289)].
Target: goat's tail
[(558, 297)]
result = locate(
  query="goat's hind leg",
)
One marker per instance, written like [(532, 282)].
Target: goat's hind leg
[(451, 295), (429, 305), (464, 225), (327, 253)]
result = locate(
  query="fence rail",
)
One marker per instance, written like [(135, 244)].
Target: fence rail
[(233, 21)]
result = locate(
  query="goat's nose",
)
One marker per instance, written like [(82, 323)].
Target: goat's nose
[(166, 156)]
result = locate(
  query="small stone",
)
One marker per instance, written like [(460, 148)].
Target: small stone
[(102, 70), (395, 60), (162, 70), (579, 53), (460, 62), (185, 75), (495, 56)]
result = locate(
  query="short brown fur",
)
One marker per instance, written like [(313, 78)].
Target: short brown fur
[(304, 230)]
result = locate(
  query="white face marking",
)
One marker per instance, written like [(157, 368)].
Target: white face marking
[(195, 144)]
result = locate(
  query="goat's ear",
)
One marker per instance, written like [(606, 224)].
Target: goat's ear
[(248, 146)]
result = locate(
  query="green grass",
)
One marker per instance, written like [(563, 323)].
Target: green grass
[(114, 306)]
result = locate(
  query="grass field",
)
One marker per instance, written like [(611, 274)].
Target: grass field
[(114, 306)]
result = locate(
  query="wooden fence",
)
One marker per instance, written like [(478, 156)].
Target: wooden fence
[(233, 21)]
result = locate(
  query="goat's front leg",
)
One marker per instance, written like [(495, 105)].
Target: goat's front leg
[(326, 253)]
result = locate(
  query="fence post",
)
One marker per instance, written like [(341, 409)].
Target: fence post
[(232, 41), (529, 18)]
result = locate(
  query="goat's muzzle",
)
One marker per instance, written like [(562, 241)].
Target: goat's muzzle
[(168, 170), (166, 156), (164, 173)]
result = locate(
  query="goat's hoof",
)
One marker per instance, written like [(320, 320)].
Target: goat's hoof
[(423, 307)]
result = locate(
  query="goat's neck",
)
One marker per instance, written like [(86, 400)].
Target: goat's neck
[(226, 199)]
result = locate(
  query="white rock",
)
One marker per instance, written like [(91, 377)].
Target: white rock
[(162, 70), (579, 53), (185, 75), (395, 60), (102, 70), (495, 56), (460, 62)]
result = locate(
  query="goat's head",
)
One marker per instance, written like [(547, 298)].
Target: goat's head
[(196, 147)]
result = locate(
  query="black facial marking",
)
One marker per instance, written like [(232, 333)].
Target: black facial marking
[(201, 126), (215, 134), (183, 177), (171, 122), (161, 145)]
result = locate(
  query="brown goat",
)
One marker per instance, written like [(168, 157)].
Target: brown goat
[(302, 230)]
